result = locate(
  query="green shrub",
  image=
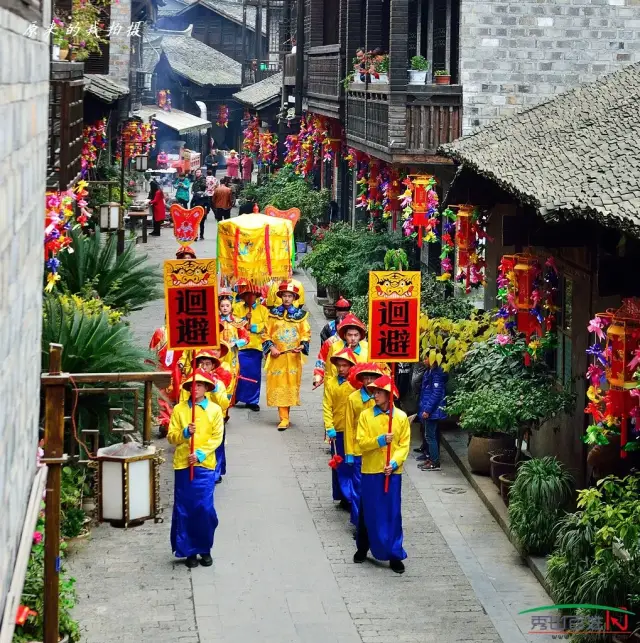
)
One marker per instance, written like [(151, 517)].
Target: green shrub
[(93, 269), (72, 491), (437, 300), (537, 500)]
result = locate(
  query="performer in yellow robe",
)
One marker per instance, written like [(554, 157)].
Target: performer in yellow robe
[(361, 375), (352, 333), (334, 405), (286, 338), (380, 520), (209, 363), (234, 334), (194, 519)]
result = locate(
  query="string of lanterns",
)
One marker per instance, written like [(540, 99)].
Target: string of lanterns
[(94, 140)]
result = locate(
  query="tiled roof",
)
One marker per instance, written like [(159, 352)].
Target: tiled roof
[(106, 88), (262, 93), (577, 155), (227, 8), (192, 59)]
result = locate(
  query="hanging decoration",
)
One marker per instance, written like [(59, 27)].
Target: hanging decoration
[(95, 140), (469, 243), (267, 148), (420, 207), (614, 367), (223, 116), (390, 187), (312, 145), (251, 141), (139, 138), (447, 243), (61, 216), (164, 100)]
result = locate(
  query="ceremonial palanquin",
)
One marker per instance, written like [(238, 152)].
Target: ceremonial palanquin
[(256, 247)]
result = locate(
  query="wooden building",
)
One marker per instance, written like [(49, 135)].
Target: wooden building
[(563, 180)]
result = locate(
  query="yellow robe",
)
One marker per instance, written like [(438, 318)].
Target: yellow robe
[(355, 406), (284, 372), (208, 436), (230, 336), (370, 427), (259, 316), (218, 396), (336, 347), (334, 404)]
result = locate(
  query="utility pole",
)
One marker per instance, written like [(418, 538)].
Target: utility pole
[(299, 57)]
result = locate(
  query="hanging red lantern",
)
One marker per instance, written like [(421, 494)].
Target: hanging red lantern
[(420, 204), (464, 233), (525, 270)]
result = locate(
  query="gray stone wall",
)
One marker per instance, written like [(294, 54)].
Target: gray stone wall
[(120, 42), (517, 54), (24, 84)]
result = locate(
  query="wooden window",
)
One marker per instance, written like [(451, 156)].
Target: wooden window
[(331, 22), (30, 10)]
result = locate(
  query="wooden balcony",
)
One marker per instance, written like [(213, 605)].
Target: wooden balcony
[(403, 128), (254, 71)]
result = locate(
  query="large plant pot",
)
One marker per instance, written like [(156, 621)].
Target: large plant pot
[(329, 311), (506, 480), (502, 463), (443, 80), (604, 459), (479, 449), (333, 294), (382, 79), (417, 77)]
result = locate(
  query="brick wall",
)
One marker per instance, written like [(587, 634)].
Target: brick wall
[(119, 43), (516, 54), (23, 144)]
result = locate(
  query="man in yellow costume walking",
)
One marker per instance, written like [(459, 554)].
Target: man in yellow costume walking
[(285, 339)]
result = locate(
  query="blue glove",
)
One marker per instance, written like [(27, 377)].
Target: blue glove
[(382, 440), (201, 455), (331, 434), (186, 433), (349, 459), (253, 328), (394, 464)]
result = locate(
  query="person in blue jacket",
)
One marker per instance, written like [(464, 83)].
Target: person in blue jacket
[(430, 411)]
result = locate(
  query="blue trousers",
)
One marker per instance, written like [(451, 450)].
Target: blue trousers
[(340, 477), (194, 519), (431, 438), (356, 483), (221, 458), (380, 521), (251, 367)]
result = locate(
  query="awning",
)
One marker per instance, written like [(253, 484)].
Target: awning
[(181, 122)]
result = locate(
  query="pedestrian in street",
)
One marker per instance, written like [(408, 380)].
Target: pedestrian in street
[(334, 406), (285, 339), (253, 314), (361, 376), (211, 161), (247, 168), (158, 208), (223, 200), (194, 519), (182, 186), (343, 306), (233, 165), (431, 411), (200, 198), (380, 520)]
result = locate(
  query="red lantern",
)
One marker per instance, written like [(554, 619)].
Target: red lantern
[(464, 230), (419, 203), (525, 271)]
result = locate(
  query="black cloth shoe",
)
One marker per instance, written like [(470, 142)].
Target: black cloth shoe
[(420, 449), (345, 505), (397, 566), (191, 562), (219, 481), (206, 560), (422, 458), (253, 407), (360, 556)]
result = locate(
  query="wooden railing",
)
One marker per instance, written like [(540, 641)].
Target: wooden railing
[(323, 72), (254, 71), (66, 96), (368, 114)]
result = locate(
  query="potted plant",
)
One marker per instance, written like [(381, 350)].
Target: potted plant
[(418, 71), (59, 40), (86, 39), (442, 77), (380, 65), (538, 498), (502, 462)]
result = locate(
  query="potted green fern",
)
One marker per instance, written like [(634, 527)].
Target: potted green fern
[(418, 70)]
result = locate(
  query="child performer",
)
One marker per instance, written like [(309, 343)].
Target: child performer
[(334, 405), (380, 520), (352, 333), (360, 377), (194, 518), (251, 312), (233, 334), (185, 252), (286, 338)]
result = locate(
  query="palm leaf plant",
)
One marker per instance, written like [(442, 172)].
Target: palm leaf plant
[(542, 491), (93, 269)]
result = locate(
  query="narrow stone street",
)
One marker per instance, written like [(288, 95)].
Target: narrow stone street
[(283, 569)]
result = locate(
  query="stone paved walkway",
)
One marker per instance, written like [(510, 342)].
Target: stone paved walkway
[(283, 570)]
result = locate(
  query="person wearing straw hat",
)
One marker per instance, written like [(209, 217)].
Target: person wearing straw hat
[(194, 519), (334, 403), (285, 339), (343, 306), (254, 315), (360, 376), (380, 520), (352, 333)]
